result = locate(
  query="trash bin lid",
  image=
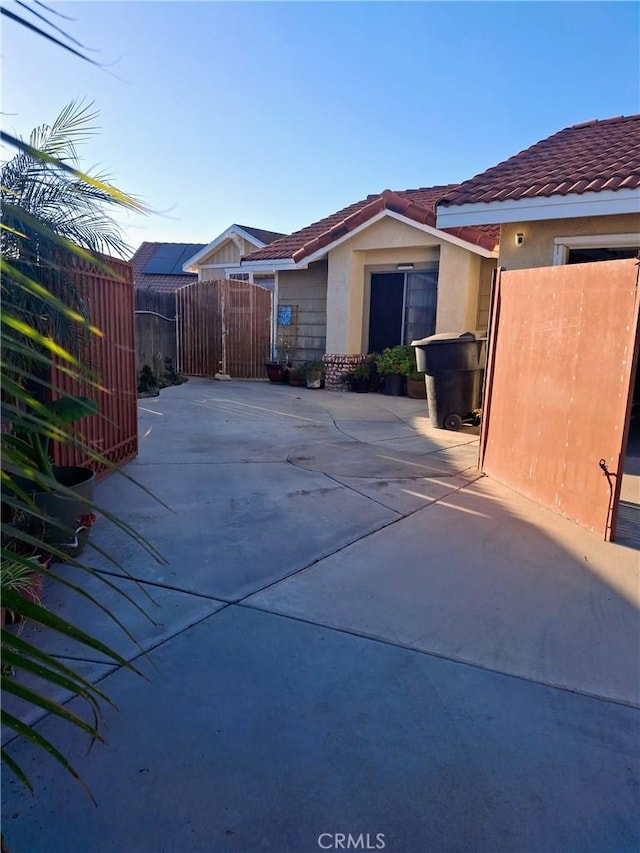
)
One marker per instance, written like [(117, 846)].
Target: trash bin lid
[(445, 338)]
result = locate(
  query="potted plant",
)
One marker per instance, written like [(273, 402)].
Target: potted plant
[(277, 371), (69, 506), (361, 378), (394, 365), (24, 555), (23, 576), (278, 368), (314, 371), (416, 387), (298, 376)]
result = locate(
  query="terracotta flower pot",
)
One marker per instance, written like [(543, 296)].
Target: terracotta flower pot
[(277, 372), (416, 389)]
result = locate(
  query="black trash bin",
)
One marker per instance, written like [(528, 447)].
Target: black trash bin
[(454, 365)]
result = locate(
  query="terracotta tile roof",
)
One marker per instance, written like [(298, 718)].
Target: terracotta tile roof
[(418, 204), (158, 281), (591, 157), (262, 234), (163, 283)]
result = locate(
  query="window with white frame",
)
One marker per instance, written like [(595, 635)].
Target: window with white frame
[(595, 247)]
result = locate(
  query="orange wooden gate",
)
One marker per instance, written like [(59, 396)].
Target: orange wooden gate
[(563, 350), (223, 327)]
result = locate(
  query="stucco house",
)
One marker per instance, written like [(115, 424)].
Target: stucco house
[(375, 274), (570, 198), (221, 257), (560, 396)]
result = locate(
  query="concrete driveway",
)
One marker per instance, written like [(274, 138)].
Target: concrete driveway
[(355, 634)]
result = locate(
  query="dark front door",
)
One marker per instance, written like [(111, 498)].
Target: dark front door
[(385, 313)]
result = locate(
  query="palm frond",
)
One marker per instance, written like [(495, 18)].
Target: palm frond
[(19, 19), (53, 214)]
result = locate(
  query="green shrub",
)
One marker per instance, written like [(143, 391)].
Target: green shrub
[(312, 368), (170, 376), (400, 359), (147, 381), (298, 372), (366, 368)]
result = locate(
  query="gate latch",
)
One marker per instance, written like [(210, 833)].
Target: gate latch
[(607, 473)]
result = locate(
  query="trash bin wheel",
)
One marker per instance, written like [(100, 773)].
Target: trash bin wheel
[(452, 421)]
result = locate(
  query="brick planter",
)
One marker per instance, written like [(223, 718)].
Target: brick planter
[(335, 366)]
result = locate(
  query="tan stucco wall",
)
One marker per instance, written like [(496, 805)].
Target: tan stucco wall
[(348, 278), (389, 233), (487, 268), (537, 250), (307, 290), (458, 286)]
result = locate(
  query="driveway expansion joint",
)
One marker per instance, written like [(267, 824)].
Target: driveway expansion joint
[(363, 635)]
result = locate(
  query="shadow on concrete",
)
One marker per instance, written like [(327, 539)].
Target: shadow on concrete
[(351, 650)]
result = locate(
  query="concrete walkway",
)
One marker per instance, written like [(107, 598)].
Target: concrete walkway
[(354, 633)]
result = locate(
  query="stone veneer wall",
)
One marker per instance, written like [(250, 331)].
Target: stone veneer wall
[(335, 366)]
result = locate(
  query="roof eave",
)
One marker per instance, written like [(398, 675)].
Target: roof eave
[(323, 251), (570, 206), (274, 264)]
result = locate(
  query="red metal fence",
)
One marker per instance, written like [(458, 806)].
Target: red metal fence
[(113, 431), (223, 327)]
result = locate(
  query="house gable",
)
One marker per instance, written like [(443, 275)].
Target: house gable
[(230, 246), (406, 235), (228, 252), (386, 232)]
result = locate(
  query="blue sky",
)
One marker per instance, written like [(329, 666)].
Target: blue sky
[(276, 114)]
